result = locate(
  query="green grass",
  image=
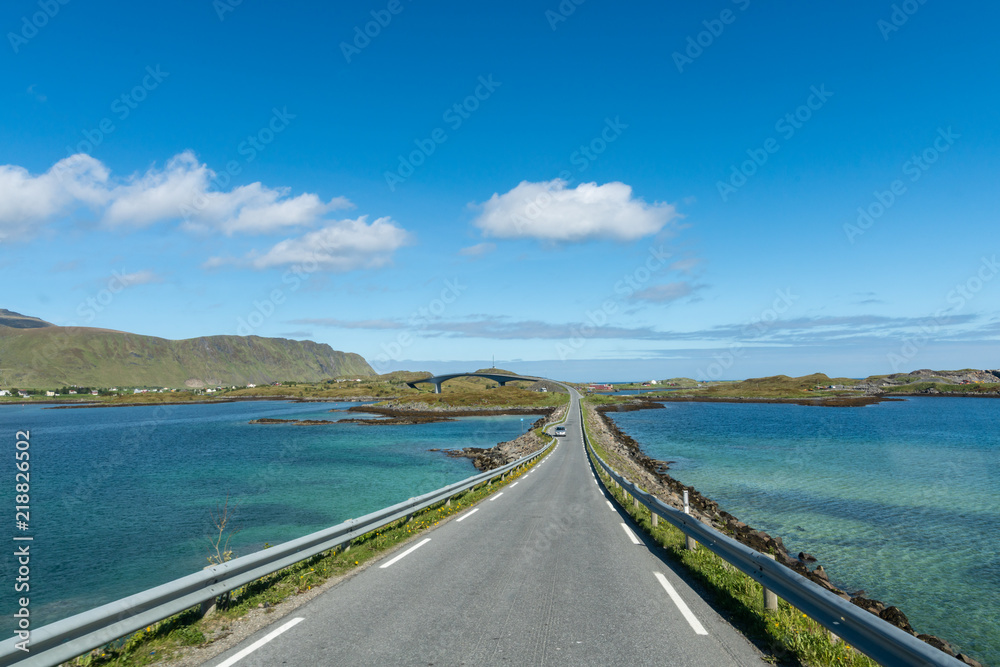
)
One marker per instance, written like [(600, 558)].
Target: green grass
[(786, 635), (507, 396), (163, 640)]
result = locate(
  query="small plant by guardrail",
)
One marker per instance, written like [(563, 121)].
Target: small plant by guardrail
[(224, 532)]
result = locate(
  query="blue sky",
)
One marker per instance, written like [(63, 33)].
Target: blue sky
[(584, 190)]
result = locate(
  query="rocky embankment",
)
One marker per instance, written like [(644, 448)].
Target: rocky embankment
[(830, 402), (650, 474), (395, 412), (510, 451)]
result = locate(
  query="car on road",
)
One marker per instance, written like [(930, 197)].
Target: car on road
[(560, 431)]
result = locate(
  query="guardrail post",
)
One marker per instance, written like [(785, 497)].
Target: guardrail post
[(770, 599), (208, 606), (635, 502), (689, 542), (655, 518)]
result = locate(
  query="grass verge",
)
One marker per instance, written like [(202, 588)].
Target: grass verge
[(787, 635), (164, 640)]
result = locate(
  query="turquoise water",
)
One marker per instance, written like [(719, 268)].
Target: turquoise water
[(121, 498), (900, 499)]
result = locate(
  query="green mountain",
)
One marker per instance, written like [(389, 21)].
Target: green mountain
[(43, 355)]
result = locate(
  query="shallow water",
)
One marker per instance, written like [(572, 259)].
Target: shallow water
[(121, 498), (899, 499)]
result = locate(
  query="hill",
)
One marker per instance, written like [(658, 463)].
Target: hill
[(51, 356), (9, 318)]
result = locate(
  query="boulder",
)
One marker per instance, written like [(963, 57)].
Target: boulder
[(806, 558), (896, 617), (937, 643), (874, 606), (969, 661)]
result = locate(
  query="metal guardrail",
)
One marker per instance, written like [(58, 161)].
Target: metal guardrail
[(876, 638), (74, 636)]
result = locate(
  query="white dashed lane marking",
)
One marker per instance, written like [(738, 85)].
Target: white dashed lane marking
[(467, 514), (631, 535), (260, 642), (689, 616), (407, 553)]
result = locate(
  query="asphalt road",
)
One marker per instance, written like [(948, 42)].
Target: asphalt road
[(545, 572)]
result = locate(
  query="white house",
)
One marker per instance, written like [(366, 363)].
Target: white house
[(4, 392), (50, 394)]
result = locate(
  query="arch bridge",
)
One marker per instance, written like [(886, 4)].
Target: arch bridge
[(499, 378)]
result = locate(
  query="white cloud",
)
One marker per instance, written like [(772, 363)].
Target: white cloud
[(551, 211), (182, 190), (667, 292), (343, 246), (685, 265), (145, 277), (478, 249), (26, 200)]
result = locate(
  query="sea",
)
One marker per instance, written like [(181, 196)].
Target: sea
[(122, 499), (898, 499)]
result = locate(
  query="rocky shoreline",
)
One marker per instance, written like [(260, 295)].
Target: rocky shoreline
[(651, 474), (399, 416), (69, 405), (835, 402), (506, 452), (400, 413)]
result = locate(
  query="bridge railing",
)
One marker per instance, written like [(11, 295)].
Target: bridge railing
[(74, 636), (876, 638)]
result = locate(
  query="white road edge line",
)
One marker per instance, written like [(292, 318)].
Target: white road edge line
[(692, 620), (467, 514), (610, 506), (260, 642), (405, 553), (631, 535), (496, 496), (514, 484)]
